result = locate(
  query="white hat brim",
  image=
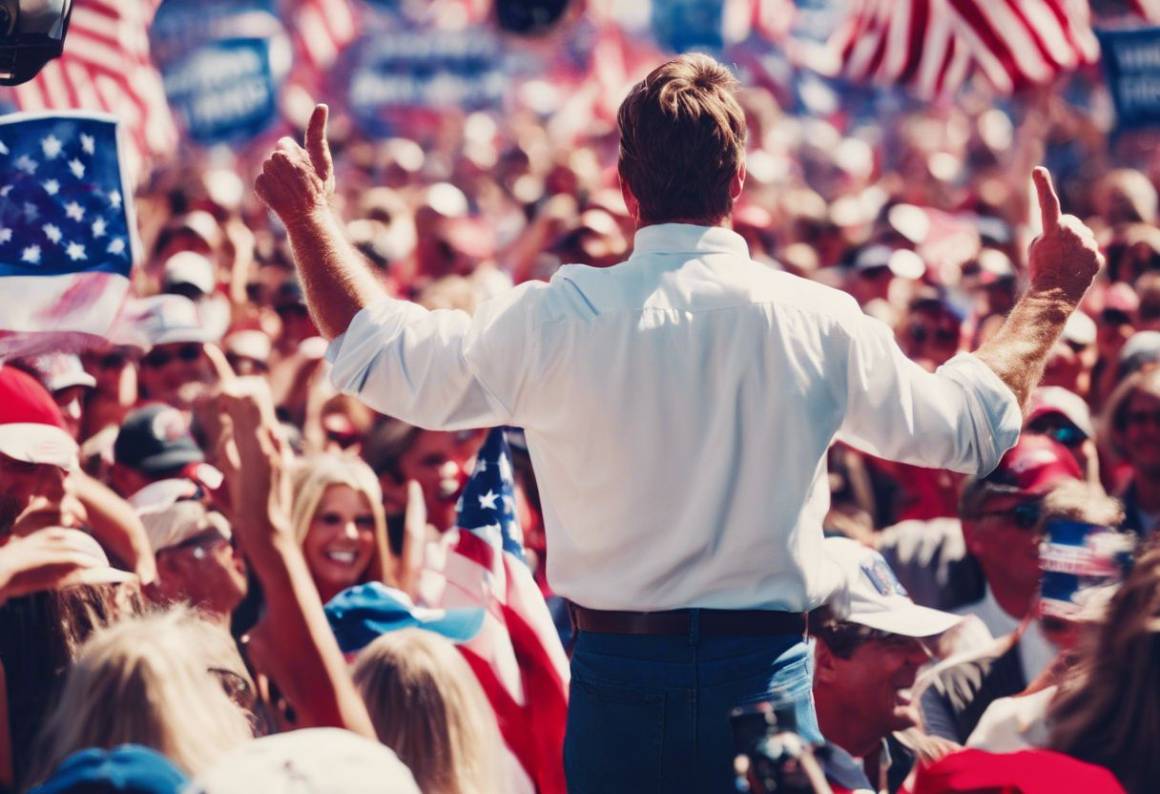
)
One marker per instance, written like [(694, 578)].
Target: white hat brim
[(908, 620)]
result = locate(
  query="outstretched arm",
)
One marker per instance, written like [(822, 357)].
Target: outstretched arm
[(1063, 261), (296, 183)]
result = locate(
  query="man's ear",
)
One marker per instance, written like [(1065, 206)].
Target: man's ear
[(824, 663), (737, 184)]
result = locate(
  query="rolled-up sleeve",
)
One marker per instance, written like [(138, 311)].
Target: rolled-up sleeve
[(961, 417), (436, 369)]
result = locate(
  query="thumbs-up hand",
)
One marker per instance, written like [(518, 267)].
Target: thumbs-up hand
[(295, 181), (1065, 257)]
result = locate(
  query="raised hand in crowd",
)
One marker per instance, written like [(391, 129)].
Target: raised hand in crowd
[(293, 643), (43, 559)]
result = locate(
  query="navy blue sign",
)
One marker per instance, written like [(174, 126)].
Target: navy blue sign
[(434, 69), (222, 62), (1132, 64), (223, 91)]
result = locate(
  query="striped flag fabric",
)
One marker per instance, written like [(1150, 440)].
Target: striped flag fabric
[(320, 30), (106, 67), (517, 655), (932, 46), (66, 239)]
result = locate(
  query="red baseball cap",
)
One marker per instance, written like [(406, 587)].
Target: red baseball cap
[(1034, 466), (31, 425)]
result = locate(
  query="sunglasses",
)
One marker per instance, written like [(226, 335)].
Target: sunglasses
[(291, 310), (1115, 317), (158, 358), (1024, 515), (919, 334), (1141, 418), (111, 361), (200, 544), (1063, 432)]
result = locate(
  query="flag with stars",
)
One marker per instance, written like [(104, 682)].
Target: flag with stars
[(66, 242), (517, 655)]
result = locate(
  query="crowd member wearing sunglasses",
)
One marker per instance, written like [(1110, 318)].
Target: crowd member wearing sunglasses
[(1064, 417), (1134, 422), (196, 560), (176, 363), (954, 695), (933, 331)]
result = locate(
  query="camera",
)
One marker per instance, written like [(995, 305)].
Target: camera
[(771, 756), (31, 34)]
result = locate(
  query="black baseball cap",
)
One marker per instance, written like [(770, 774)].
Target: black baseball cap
[(155, 440)]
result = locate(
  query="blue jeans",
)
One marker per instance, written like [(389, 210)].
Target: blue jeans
[(651, 713)]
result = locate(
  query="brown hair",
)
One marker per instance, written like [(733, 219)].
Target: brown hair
[(1108, 713), (682, 140)]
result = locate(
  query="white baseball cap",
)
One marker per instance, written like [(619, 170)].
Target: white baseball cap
[(61, 370), (872, 596), (309, 761), (180, 521), (170, 319), (188, 267)]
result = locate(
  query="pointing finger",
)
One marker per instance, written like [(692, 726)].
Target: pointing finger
[(317, 145), (1048, 200)]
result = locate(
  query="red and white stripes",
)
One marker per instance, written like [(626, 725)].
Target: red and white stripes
[(933, 45), (106, 67)]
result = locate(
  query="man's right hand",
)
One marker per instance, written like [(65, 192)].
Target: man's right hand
[(296, 182), (1065, 257)]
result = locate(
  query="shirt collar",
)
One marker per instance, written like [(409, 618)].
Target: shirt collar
[(672, 238)]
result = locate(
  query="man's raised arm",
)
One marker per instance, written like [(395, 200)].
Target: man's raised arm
[(296, 183), (1063, 261)]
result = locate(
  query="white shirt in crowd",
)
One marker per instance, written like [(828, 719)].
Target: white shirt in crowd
[(1035, 651), (678, 408)]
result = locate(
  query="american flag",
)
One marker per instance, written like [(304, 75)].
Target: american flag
[(517, 655), (932, 46), (66, 246), (320, 30), (106, 67)]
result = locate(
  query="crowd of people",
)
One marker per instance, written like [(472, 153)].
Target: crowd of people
[(192, 515)]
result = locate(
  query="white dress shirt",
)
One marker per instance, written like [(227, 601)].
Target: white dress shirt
[(678, 408)]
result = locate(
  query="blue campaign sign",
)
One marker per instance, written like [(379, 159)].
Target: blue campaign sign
[(222, 62), (224, 91), (437, 69), (684, 25), (1132, 65)]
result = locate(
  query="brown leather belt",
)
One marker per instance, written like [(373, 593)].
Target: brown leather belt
[(718, 622)]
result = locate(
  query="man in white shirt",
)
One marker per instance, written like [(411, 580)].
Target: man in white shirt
[(677, 408)]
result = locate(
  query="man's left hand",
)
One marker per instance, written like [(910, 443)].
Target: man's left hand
[(296, 182)]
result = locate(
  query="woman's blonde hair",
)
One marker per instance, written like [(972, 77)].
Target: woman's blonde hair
[(310, 481), (154, 681), (1108, 713), (427, 706)]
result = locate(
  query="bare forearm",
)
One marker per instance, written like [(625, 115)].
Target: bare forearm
[(116, 526), (337, 280), (1018, 352), (306, 661)]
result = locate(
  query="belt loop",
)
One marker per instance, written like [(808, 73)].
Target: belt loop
[(694, 626)]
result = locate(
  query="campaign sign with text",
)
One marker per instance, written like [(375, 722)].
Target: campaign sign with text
[(222, 62), (399, 71), (224, 91), (1132, 65)]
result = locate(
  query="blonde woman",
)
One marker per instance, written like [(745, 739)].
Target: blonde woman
[(338, 519), (428, 707), (158, 681)]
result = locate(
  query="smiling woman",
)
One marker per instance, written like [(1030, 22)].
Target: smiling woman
[(339, 521)]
